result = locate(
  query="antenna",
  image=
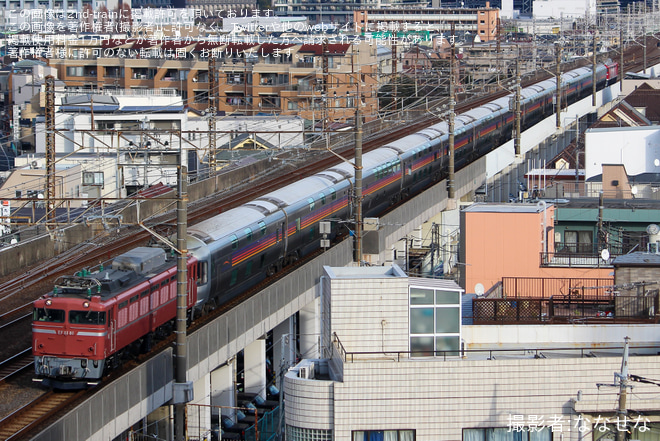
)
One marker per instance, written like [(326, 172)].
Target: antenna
[(652, 229), (605, 254)]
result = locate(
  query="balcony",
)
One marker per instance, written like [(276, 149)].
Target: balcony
[(572, 308), (585, 255)]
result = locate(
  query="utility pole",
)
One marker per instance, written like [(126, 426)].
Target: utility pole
[(358, 177), (621, 71), (50, 149), (498, 47), (644, 37), (621, 381), (452, 103), (394, 77), (623, 390), (181, 361), (324, 61), (517, 107), (558, 78), (213, 108), (593, 73)]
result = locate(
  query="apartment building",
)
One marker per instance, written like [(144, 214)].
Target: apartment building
[(316, 82), (395, 362), (480, 21)]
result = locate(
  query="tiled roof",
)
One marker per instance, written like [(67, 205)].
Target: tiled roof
[(317, 49), (637, 259), (646, 97)]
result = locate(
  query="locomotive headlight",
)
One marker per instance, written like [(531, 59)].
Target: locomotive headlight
[(83, 363), (49, 302), (85, 304)]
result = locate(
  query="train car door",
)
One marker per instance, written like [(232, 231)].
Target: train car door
[(112, 329)]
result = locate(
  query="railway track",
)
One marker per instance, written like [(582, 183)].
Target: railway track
[(16, 364), (90, 254), (15, 425)]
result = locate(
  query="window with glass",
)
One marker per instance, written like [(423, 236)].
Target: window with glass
[(383, 435), (506, 434), (435, 322), (48, 315), (87, 317), (578, 241), (302, 434)]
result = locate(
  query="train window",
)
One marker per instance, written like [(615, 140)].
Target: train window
[(154, 288), (333, 194), (172, 279), (201, 272), (248, 269), (262, 225), (144, 294), (48, 315), (234, 241), (134, 298), (248, 234), (234, 277), (310, 201), (311, 233), (164, 283), (322, 197), (297, 225), (123, 304), (87, 317)]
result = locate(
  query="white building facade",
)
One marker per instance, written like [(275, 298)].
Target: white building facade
[(377, 384)]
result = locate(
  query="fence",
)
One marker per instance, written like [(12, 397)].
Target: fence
[(572, 308), (540, 287)]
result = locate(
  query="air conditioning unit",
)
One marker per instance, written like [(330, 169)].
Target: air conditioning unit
[(306, 371)]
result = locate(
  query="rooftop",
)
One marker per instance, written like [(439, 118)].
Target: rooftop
[(481, 207), (364, 272)]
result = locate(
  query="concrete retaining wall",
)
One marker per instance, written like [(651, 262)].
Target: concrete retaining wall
[(42, 246)]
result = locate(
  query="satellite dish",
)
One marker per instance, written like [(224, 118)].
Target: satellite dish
[(653, 229), (605, 254), (633, 190), (13, 241), (656, 162), (479, 289)]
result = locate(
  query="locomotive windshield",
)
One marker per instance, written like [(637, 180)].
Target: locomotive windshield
[(87, 317), (48, 315)]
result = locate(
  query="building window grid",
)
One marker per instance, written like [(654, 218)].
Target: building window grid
[(434, 305), (302, 434)]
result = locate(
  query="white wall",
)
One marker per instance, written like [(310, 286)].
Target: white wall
[(540, 336), (566, 8), (637, 148)]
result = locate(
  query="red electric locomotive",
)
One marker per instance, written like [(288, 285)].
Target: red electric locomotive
[(612, 71), (93, 320)]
